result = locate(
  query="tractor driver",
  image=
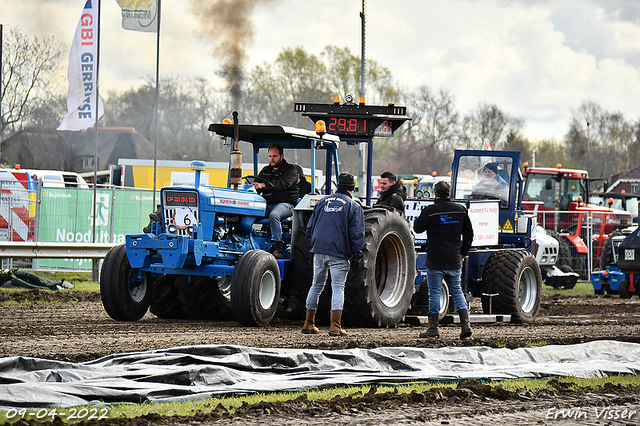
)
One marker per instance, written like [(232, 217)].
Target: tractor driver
[(492, 185), (279, 186)]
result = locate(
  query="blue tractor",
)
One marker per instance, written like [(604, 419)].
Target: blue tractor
[(206, 254), (501, 268)]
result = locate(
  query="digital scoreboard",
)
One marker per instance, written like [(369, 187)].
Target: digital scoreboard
[(352, 120)]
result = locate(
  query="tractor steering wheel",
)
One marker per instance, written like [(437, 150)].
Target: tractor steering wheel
[(251, 179)]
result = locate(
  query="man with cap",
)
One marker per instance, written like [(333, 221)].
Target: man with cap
[(335, 235), (492, 185)]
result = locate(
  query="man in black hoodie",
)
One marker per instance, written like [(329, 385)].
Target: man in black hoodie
[(445, 221), (392, 192)]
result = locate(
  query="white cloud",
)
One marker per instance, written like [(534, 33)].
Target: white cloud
[(535, 59)]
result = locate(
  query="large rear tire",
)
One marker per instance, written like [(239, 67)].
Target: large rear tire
[(606, 256), (515, 276), (125, 292), (564, 250), (255, 288), (164, 301), (379, 293), (202, 298)]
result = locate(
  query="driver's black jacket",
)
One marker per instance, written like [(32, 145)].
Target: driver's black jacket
[(281, 183), (444, 222)]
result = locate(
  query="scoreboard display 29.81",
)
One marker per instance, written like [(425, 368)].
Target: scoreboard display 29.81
[(351, 120)]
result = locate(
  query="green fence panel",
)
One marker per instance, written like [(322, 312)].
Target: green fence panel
[(66, 215)]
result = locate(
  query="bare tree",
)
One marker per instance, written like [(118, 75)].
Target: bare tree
[(29, 69), (600, 141)]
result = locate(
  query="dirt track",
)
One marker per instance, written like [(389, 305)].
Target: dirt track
[(79, 330)]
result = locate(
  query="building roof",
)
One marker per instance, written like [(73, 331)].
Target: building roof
[(46, 148)]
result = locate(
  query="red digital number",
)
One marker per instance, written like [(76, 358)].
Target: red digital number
[(342, 124), (353, 125), (332, 124)]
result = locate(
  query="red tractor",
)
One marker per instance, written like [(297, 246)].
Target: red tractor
[(561, 198)]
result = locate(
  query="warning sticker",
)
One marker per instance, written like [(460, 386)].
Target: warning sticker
[(507, 227)]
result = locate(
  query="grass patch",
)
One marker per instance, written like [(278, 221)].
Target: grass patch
[(235, 402), (582, 288), (537, 344)]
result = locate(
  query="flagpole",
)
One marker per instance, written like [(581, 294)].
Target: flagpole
[(96, 114), (155, 148)]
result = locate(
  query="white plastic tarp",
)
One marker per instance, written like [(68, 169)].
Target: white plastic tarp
[(200, 372)]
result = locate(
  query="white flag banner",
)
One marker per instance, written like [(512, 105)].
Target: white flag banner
[(139, 15), (81, 97)]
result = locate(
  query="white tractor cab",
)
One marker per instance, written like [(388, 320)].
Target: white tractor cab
[(617, 201), (425, 187)]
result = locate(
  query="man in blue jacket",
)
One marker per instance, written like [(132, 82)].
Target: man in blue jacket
[(335, 234), (445, 221)]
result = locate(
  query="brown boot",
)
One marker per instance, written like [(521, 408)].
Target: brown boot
[(277, 249), (465, 326), (336, 329), (432, 331), (309, 327)]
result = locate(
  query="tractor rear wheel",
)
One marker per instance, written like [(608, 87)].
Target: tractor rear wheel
[(202, 298), (125, 292), (606, 256), (255, 288), (164, 301), (515, 276), (379, 292)]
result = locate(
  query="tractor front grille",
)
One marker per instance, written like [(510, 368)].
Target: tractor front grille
[(180, 212)]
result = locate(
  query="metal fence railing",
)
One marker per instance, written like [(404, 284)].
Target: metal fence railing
[(581, 236)]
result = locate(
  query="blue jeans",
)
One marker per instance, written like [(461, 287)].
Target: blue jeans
[(277, 212), (452, 278), (339, 268)]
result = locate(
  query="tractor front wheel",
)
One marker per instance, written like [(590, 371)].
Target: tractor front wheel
[(255, 288), (125, 292)]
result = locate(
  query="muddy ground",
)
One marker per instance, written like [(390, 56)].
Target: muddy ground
[(78, 329)]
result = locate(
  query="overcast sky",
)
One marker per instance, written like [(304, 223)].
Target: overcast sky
[(536, 60)]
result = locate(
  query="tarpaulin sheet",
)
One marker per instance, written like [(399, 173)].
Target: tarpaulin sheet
[(200, 372)]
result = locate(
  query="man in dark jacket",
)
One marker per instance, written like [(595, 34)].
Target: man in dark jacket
[(445, 222), (279, 186), (392, 192), (335, 234)]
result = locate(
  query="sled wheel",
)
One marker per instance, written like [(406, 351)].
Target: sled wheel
[(255, 288), (515, 276), (125, 292), (423, 298)]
